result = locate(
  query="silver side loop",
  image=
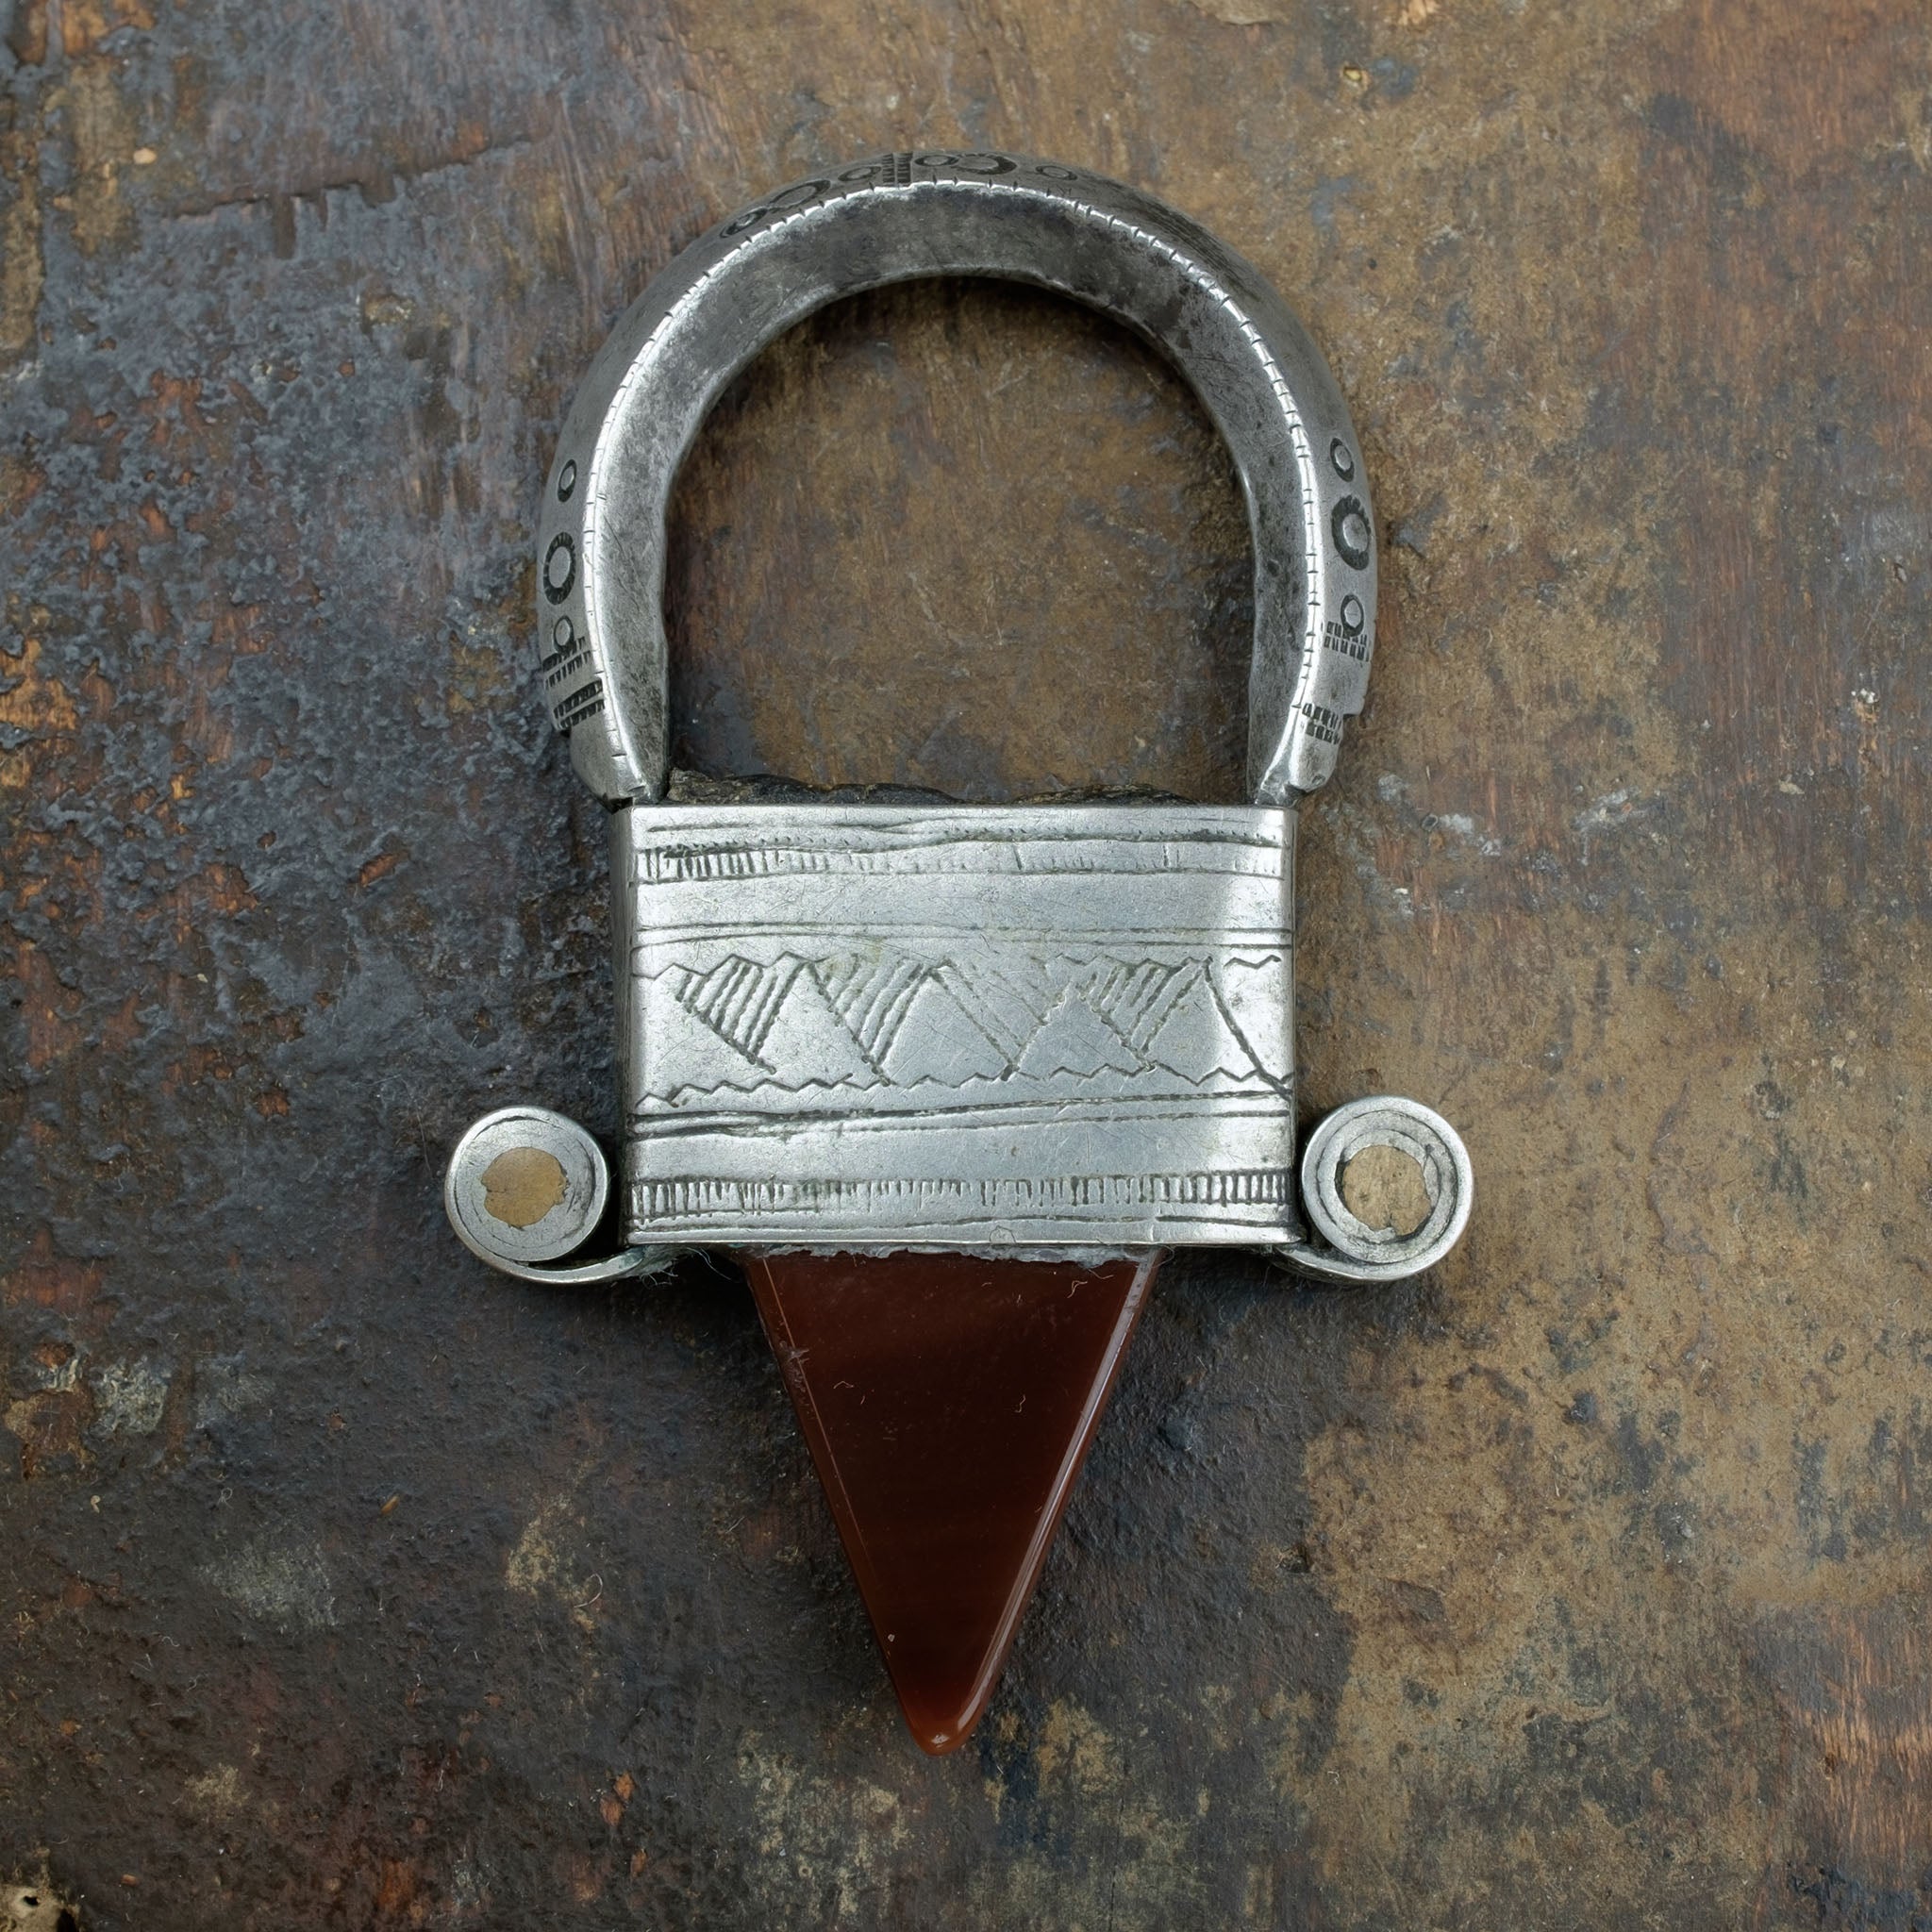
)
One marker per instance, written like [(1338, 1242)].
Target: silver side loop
[(525, 1190), (902, 216), (1349, 1250)]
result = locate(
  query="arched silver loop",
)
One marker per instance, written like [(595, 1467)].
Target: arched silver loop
[(901, 217)]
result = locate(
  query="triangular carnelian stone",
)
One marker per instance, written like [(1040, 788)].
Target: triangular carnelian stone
[(948, 1403)]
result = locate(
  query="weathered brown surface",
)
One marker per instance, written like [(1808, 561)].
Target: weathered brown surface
[(1583, 1585)]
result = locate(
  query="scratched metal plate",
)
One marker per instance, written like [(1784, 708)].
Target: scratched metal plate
[(875, 1027)]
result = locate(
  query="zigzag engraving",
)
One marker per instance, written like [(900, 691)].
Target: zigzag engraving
[(870, 994), (739, 1000), (1032, 1027)]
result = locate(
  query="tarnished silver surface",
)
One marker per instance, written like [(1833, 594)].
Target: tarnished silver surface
[(872, 1027), (895, 217), (1005, 1029)]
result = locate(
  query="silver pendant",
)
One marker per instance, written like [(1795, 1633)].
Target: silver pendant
[(1016, 1030)]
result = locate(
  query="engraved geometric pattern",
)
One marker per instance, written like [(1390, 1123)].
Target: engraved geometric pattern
[(885, 1026)]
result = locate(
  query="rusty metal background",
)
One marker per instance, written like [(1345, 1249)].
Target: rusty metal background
[(1581, 1585)]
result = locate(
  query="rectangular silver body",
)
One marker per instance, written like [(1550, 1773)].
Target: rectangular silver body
[(868, 1027)]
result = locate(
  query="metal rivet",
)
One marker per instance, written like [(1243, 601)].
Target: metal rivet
[(1342, 457), (567, 481)]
